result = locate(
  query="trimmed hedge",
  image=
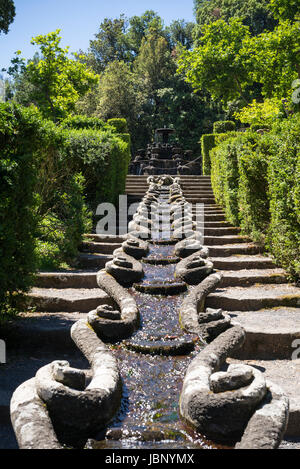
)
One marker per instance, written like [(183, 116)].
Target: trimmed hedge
[(51, 176), (220, 127), (208, 142), (18, 219), (256, 178), (83, 122), (120, 124), (102, 157)]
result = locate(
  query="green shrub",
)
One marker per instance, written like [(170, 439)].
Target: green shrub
[(224, 177), (284, 193), (50, 175), (221, 127), (80, 122), (207, 144), (253, 201), (119, 124), (60, 232), (102, 158), (256, 178), (18, 220), (255, 127)]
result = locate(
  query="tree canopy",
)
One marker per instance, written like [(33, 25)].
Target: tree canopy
[(254, 13), (55, 82), (7, 15)]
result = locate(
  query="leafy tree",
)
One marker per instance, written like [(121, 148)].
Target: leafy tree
[(118, 94), (55, 82), (110, 44), (255, 13), (273, 59), (218, 64), (285, 9), (154, 63), (7, 14), (140, 26), (181, 32)]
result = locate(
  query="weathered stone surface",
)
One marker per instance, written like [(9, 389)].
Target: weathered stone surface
[(285, 374), (235, 377), (135, 247), (255, 297), (71, 377), (108, 312), (270, 333), (194, 269), (267, 426), (162, 345), (66, 299), (125, 269), (190, 246), (30, 419), (193, 317), (161, 288), (109, 329), (75, 414)]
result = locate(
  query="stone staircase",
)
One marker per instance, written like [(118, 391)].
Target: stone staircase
[(254, 291)]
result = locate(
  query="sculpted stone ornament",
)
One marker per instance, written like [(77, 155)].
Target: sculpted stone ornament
[(63, 405), (135, 247), (222, 405), (125, 269)]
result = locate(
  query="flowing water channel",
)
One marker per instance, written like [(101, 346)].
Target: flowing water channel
[(149, 417)]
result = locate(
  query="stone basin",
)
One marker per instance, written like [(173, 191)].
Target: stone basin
[(158, 345), (161, 288)]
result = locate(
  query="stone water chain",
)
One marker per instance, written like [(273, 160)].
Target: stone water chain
[(63, 406)]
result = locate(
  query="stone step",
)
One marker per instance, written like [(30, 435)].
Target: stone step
[(270, 333), (100, 238), (185, 186), (220, 229), (101, 248), (91, 261), (208, 211), (243, 262), (234, 249), (215, 217), (284, 373), (183, 178), (248, 277), (207, 207), (66, 300), (187, 194), (60, 280), (254, 298), (224, 240), (200, 200)]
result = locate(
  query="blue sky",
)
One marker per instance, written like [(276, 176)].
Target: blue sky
[(78, 20)]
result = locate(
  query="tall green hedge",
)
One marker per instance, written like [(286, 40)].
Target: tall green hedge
[(102, 157), (221, 127), (18, 219), (208, 142), (52, 176), (120, 124), (256, 178)]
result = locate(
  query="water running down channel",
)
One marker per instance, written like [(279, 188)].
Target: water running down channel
[(149, 416)]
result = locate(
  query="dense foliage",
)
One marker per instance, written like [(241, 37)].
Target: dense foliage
[(137, 62), (223, 126), (255, 13), (51, 80), (51, 178), (256, 179), (7, 14)]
